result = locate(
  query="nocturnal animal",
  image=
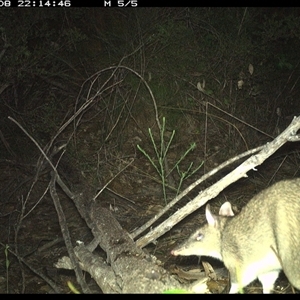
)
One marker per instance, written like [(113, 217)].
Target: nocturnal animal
[(259, 242)]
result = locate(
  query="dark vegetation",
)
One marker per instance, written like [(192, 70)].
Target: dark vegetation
[(226, 79)]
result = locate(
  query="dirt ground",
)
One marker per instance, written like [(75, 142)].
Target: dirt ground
[(38, 240)]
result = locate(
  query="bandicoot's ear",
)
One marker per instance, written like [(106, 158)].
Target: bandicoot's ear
[(211, 219), (226, 210)]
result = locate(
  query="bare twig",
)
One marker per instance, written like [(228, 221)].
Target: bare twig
[(45, 278), (60, 214), (105, 186), (288, 135), (66, 235), (191, 187)]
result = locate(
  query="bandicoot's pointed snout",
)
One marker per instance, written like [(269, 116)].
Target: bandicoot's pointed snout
[(261, 240)]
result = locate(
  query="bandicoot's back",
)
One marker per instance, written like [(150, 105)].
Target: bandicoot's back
[(261, 240)]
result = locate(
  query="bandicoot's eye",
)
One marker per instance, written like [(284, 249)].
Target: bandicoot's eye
[(199, 236)]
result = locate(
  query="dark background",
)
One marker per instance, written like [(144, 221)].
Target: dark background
[(226, 79)]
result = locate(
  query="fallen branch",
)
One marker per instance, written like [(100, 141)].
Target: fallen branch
[(127, 269), (288, 135)]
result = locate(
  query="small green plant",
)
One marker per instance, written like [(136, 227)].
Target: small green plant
[(177, 291), (161, 166), (238, 273), (72, 287)]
